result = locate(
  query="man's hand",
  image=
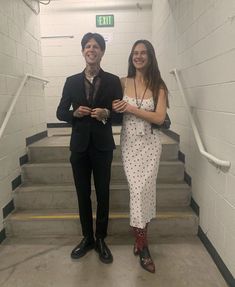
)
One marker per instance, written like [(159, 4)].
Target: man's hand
[(99, 114), (82, 111)]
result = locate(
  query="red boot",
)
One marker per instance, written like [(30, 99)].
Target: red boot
[(141, 249)]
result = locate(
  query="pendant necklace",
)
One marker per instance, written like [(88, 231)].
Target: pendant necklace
[(136, 98)]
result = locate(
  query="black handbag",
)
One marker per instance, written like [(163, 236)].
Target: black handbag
[(165, 125)]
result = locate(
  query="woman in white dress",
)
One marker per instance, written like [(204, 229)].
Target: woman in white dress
[(145, 101)]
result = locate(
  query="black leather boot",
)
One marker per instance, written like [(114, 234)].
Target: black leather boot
[(83, 247), (104, 252)]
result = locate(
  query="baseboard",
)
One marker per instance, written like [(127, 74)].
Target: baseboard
[(228, 277), (187, 178), (8, 208), (16, 182), (2, 235), (171, 134), (36, 137), (195, 207), (23, 159), (115, 122), (181, 156), (58, 125)]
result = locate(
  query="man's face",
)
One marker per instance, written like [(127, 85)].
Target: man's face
[(92, 53)]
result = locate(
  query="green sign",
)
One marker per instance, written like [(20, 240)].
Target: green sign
[(104, 20)]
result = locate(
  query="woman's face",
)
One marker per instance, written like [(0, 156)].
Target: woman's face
[(92, 53), (140, 57)]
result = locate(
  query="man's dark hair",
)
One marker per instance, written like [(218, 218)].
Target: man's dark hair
[(97, 37)]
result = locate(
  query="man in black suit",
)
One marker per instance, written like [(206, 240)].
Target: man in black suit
[(90, 93)]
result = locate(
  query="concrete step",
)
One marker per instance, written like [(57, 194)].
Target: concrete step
[(61, 173), (56, 149), (59, 131), (38, 197), (54, 223)]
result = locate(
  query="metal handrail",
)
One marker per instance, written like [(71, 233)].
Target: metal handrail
[(210, 157), (16, 96)]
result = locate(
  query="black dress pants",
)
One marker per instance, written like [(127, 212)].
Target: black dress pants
[(83, 165)]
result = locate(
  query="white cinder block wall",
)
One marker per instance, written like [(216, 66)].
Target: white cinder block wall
[(198, 38), (19, 54), (62, 56)]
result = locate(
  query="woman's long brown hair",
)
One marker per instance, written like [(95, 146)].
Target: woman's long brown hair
[(152, 76)]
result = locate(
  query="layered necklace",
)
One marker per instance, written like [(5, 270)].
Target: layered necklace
[(139, 104)]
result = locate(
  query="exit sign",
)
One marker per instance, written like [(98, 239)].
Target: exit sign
[(104, 20)]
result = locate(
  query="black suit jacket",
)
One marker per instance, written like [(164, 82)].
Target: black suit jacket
[(88, 129)]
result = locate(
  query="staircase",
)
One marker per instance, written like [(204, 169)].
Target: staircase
[(46, 202)]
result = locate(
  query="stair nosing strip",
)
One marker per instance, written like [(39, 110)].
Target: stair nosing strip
[(159, 215)]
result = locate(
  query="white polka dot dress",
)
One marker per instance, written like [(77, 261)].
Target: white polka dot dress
[(141, 151)]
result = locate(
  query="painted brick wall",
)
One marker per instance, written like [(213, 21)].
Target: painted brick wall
[(20, 53), (198, 38), (62, 56)]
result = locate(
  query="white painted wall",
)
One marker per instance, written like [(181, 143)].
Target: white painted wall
[(62, 56), (198, 38), (20, 53)]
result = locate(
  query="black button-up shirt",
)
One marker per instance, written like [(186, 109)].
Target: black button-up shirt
[(92, 88)]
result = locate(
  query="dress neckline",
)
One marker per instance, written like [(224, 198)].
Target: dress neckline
[(134, 98)]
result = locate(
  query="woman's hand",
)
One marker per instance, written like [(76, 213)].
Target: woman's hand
[(119, 106), (130, 109)]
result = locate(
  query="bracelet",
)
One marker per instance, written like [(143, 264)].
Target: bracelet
[(104, 120), (77, 114), (107, 113)]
